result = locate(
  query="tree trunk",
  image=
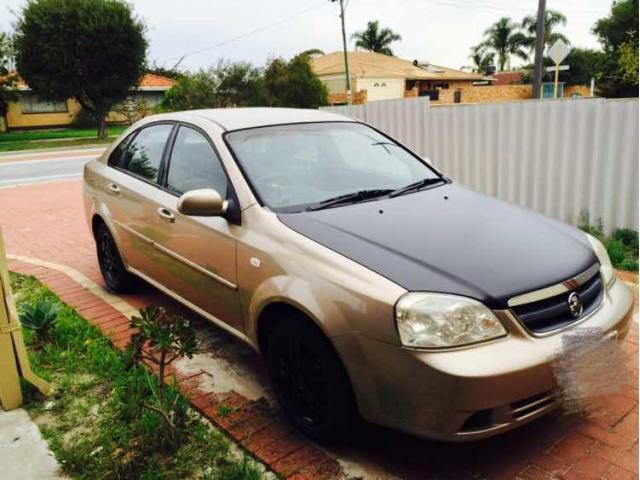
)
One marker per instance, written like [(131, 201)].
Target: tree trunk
[(102, 127)]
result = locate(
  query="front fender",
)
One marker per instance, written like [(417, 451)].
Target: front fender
[(324, 303)]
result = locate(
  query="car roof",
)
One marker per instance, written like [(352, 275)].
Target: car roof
[(250, 117)]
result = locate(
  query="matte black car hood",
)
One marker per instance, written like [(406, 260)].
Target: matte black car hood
[(452, 240)]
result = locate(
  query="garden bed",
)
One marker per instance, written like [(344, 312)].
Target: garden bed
[(104, 420)]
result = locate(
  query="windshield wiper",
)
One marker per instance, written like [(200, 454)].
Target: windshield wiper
[(425, 182), (349, 198)]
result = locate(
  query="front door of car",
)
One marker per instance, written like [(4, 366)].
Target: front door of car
[(198, 253)]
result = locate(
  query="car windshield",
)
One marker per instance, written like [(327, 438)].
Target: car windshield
[(293, 167)]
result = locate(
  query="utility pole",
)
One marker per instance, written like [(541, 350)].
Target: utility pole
[(537, 68), (344, 47)]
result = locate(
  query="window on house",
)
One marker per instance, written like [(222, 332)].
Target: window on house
[(30, 103), (442, 86), (376, 84), (384, 84)]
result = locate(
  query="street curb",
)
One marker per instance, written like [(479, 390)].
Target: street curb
[(253, 425)]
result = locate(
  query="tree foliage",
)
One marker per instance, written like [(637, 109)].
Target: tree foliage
[(7, 76), (375, 39), (90, 50), (585, 64), (293, 84), (482, 58), (552, 19), (618, 34), (282, 84), (506, 40)]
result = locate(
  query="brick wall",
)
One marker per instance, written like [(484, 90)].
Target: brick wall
[(341, 98), (499, 93)]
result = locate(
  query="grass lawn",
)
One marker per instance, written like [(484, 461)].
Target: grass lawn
[(64, 137), (96, 423)]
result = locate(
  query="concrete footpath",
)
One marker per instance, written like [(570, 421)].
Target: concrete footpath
[(24, 455)]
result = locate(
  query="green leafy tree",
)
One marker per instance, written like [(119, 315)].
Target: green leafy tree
[(294, 84), (584, 63), (90, 50), (482, 59), (552, 20), (375, 39), (506, 40), (628, 63), (227, 85), (618, 34), (7, 76)]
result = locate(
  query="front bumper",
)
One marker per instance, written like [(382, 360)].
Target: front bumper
[(468, 393)]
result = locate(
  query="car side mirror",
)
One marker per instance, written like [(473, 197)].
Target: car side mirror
[(205, 202)]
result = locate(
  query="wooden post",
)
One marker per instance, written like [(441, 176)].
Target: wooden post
[(14, 361)]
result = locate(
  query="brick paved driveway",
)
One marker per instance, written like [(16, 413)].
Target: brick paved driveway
[(45, 222)]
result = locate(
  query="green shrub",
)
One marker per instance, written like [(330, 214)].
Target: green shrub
[(616, 251), (621, 245), (39, 317), (627, 236)]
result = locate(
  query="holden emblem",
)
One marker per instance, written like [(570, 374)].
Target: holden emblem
[(575, 305)]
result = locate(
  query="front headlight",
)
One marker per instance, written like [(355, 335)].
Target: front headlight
[(606, 267), (432, 320)]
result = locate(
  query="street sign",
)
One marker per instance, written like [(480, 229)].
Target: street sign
[(561, 68), (558, 51)]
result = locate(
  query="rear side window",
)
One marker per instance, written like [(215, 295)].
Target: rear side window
[(115, 159), (194, 164), (142, 156)]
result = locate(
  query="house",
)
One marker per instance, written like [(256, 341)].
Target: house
[(508, 77), (383, 77), (30, 111)]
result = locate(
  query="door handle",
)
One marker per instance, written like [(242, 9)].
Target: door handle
[(166, 214), (114, 188)]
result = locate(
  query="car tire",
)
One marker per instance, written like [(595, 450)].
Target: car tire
[(310, 381), (113, 271)]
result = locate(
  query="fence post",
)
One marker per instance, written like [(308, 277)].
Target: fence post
[(14, 361)]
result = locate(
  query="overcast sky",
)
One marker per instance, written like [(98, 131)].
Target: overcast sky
[(438, 31)]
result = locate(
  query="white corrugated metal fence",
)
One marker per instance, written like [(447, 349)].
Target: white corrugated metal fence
[(558, 157)]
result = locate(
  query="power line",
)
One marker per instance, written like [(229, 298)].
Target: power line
[(180, 58)]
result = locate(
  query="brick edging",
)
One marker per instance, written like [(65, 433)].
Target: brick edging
[(252, 424)]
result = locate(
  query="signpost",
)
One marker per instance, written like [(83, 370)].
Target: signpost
[(14, 361), (558, 52)]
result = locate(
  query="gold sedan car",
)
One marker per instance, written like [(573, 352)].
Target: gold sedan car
[(372, 284)]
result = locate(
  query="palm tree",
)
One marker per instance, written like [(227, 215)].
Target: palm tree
[(312, 53), (505, 39), (552, 19), (375, 39), (481, 58)]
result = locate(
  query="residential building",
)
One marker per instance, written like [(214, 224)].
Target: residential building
[(385, 77), (31, 111)]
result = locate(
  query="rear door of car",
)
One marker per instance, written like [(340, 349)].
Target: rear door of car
[(136, 170), (198, 253)]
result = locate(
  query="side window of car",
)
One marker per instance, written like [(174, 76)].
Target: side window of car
[(115, 158), (143, 155), (194, 164)]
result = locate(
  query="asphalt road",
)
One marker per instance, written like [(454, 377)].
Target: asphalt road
[(29, 167)]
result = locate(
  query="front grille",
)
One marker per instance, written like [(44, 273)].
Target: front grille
[(553, 313)]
